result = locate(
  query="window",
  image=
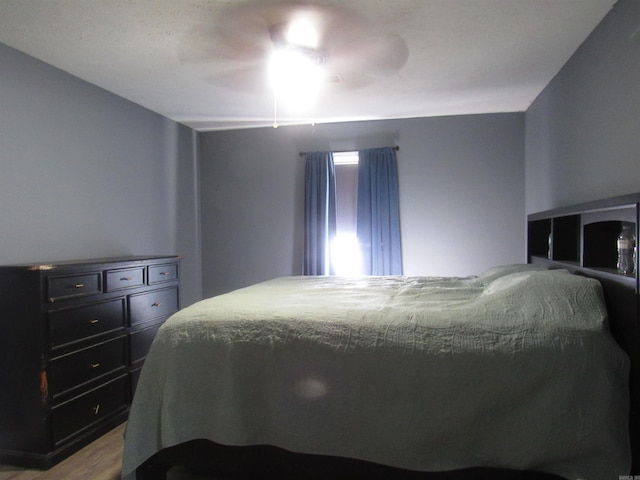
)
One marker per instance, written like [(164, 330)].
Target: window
[(345, 251), (355, 202)]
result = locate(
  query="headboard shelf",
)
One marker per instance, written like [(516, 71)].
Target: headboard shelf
[(584, 235), (583, 240), (596, 272)]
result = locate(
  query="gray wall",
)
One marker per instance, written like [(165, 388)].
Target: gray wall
[(583, 131), (461, 200), (86, 174)]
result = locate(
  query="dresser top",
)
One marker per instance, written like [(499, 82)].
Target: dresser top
[(130, 259)]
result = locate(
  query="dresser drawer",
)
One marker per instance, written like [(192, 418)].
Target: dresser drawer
[(141, 342), (87, 364), (85, 410), (72, 324), (72, 286), (124, 278), (163, 273), (148, 306)]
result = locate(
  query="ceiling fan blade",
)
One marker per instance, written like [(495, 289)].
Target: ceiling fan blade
[(246, 78), (367, 62), (207, 43)]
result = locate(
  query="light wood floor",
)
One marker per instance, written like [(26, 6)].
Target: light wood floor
[(100, 460)]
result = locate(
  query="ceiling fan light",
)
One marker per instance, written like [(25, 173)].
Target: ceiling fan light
[(301, 32), (294, 76)]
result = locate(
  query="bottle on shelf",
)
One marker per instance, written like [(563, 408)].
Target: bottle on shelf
[(626, 251)]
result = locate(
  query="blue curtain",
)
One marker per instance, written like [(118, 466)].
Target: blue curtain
[(378, 222), (319, 213)]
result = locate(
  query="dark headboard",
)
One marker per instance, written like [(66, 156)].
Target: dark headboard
[(583, 239)]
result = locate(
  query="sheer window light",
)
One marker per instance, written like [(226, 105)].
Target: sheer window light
[(345, 250)]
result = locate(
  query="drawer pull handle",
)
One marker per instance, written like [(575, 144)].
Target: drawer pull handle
[(94, 321), (155, 304), (165, 273), (79, 285), (95, 365), (125, 279), (96, 409)]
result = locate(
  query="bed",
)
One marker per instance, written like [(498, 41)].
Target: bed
[(514, 370)]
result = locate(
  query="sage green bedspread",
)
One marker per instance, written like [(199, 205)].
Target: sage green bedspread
[(514, 368)]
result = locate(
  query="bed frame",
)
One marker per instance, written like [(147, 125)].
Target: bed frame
[(580, 238)]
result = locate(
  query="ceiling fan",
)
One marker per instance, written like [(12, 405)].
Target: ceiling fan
[(352, 50)]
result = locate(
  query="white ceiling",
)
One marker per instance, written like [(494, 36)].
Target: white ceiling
[(200, 62)]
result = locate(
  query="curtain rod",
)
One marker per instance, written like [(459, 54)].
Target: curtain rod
[(302, 154)]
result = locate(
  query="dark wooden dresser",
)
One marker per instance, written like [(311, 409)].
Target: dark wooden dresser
[(73, 338)]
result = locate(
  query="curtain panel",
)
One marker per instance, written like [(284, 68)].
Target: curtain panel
[(378, 223), (319, 213)]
